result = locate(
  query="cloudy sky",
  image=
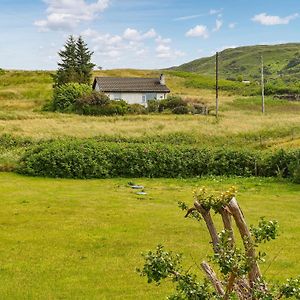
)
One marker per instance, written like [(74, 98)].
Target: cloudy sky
[(140, 33)]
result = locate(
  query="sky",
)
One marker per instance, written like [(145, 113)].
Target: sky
[(144, 34)]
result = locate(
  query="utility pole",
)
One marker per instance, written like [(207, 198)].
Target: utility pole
[(217, 84), (262, 86)]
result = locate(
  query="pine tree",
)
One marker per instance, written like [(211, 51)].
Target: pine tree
[(83, 61), (75, 65), (67, 67)]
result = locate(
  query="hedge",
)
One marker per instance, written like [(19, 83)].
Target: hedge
[(92, 159)]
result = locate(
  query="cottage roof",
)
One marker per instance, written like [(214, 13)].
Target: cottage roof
[(130, 84)]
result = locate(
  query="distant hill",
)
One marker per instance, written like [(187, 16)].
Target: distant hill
[(282, 62)]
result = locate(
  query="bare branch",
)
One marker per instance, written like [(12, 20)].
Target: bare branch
[(226, 218), (238, 216), (230, 285), (190, 211), (209, 223), (212, 277)]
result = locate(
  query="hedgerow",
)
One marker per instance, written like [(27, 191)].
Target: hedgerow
[(93, 159)]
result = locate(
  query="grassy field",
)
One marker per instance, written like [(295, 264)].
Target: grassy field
[(73, 239), (22, 95)]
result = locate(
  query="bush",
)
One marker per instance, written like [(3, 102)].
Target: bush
[(113, 108), (153, 106), (171, 102), (232, 162), (8, 141), (65, 96), (95, 98), (180, 110), (91, 104), (279, 162), (136, 109), (294, 169), (92, 159)]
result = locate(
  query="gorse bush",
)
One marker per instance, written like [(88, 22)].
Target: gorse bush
[(92, 159)]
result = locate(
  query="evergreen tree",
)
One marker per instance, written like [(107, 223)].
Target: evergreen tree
[(67, 67), (83, 61), (75, 65)]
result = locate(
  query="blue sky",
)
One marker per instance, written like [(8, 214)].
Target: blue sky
[(140, 33)]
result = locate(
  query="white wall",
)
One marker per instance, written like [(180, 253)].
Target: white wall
[(132, 98)]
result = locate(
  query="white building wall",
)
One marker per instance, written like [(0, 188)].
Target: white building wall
[(132, 98)]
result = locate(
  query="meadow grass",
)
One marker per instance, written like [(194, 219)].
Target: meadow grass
[(241, 124), (75, 239)]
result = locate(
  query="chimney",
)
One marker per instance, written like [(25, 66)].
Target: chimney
[(162, 79)]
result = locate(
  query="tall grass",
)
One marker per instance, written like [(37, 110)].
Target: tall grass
[(22, 94)]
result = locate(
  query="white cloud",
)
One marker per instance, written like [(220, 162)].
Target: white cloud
[(135, 35), (268, 20), (232, 25), (67, 14), (198, 31), (184, 18), (219, 24), (131, 44), (162, 40), (210, 13), (164, 51), (150, 34), (215, 11)]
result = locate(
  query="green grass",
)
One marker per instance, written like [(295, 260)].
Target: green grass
[(76, 239), (23, 93)]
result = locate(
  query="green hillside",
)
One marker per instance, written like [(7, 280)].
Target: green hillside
[(282, 63)]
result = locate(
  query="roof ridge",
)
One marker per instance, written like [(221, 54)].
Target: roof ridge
[(130, 84)]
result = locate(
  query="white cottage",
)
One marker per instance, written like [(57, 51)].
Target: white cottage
[(132, 90)]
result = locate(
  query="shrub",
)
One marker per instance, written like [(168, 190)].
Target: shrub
[(113, 108), (294, 169), (91, 104), (93, 159), (9, 141), (65, 96), (95, 98), (180, 110), (65, 159), (171, 102), (153, 106), (277, 163), (136, 109), (232, 162)]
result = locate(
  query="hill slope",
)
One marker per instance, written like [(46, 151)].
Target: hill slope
[(281, 62)]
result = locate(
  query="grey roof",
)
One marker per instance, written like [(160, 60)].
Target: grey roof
[(130, 84)]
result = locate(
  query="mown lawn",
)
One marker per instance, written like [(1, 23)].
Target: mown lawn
[(82, 239)]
